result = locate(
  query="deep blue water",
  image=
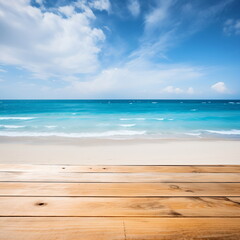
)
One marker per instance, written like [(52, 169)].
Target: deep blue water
[(121, 118)]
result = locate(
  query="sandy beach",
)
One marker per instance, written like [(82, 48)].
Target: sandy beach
[(120, 152)]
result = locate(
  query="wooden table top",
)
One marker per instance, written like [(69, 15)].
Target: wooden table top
[(66, 202)]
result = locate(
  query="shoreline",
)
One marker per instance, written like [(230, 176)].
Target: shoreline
[(119, 152)]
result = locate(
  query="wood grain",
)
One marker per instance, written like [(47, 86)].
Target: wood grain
[(123, 169), (90, 228), (67, 202), (102, 206), (118, 189), (119, 177)]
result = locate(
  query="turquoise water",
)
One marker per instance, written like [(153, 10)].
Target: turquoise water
[(120, 118)]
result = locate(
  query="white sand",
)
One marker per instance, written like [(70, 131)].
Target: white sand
[(144, 152)]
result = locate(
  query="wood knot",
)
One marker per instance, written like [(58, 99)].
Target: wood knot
[(41, 204), (63, 168), (174, 213), (174, 187)]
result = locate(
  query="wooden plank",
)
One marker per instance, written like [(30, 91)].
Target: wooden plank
[(89, 228), (119, 177), (61, 229), (118, 189), (182, 229), (125, 169), (106, 206)]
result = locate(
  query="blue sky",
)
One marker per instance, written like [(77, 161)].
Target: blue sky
[(186, 49)]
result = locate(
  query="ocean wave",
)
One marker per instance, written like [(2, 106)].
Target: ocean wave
[(127, 119), (224, 132), (16, 118), (193, 134), (11, 126), (50, 126), (73, 135), (127, 125), (159, 119)]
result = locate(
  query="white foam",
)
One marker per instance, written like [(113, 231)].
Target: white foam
[(16, 118), (193, 134), (73, 135), (170, 119), (11, 126), (160, 119), (125, 119), (225, 132), (50, 126), (127, 125)]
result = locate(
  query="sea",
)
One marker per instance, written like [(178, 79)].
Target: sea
[(120, 119)]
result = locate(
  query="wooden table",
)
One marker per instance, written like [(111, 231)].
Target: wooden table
[(65, 202)]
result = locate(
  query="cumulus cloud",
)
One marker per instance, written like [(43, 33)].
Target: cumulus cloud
[(135, 80), (68, 11), (40, 2), (100, 4), (171, 89), (177, 90), (232, 27), (134, 7), (219, 87), (48, 43)]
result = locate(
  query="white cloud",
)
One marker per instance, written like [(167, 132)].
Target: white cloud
[(171, 89), (170, 22), (177, 90), (68, 11), (232, 27), (134, 80), (2, 70), (46, 43), (100, 4), (160, 13), (219, 87), (40, 2), (190, 90), (134, 7)]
